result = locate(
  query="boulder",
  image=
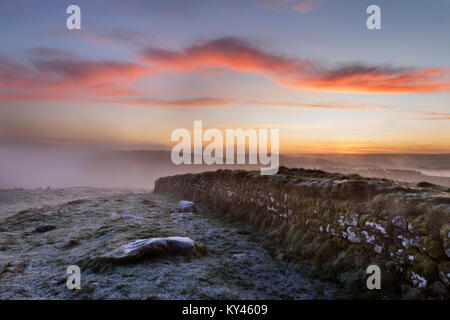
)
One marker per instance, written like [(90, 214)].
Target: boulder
[(149, 248), (187, 206)]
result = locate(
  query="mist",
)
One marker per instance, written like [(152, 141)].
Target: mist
[(31, 166), (61, 167)]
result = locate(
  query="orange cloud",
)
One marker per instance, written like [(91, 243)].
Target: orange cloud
[(359, 78), (62, 69), (58, 75), (241, 55), (54, 73)]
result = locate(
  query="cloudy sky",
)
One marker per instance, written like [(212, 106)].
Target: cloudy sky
[(138, 69)]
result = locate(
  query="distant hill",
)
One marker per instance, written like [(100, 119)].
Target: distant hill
[(150, 165)]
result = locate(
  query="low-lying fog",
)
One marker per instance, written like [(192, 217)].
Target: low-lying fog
[(37, 166), (32, 167)]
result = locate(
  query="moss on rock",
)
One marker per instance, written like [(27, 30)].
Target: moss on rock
[(424, 266), (431, 247)]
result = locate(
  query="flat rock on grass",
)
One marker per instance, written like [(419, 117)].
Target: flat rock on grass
[(150, 248)]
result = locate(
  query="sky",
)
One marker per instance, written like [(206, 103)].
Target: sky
[(137, 70)]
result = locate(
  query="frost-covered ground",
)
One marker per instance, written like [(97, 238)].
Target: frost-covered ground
[(15, 200), (236, 265)]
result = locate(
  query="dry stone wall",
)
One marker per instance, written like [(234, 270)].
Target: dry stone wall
[(405, 227)]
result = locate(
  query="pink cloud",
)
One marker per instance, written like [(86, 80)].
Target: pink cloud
[(52, 74), (240, 55), (301, 6)]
